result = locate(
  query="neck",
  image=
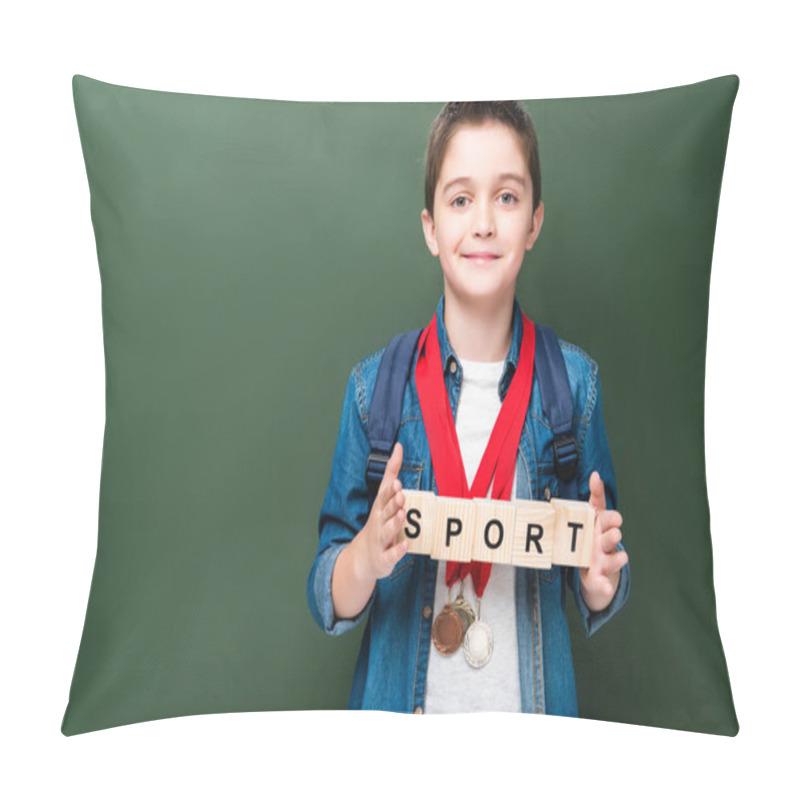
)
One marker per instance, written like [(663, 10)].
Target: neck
[(479, 330)]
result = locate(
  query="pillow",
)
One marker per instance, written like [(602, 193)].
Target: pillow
[(251, 252)]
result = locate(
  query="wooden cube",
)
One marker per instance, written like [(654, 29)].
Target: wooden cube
[(453, 529), (574, 532), (533, 534), (420, 519), (494, 531)]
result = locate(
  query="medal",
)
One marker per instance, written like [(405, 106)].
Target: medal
[(451, 624), (478, 642), (464, 610), (448, 631)]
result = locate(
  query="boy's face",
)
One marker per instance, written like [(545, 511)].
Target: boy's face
[(483, 212)]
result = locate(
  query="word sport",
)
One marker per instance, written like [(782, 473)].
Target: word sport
[(526, 533)]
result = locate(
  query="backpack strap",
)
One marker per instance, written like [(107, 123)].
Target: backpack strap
[(387, 403), (557, 405)]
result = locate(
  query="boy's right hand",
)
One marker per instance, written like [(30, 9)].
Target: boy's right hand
[(378, 552)]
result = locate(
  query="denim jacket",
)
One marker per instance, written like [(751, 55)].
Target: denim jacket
[(392, 664)]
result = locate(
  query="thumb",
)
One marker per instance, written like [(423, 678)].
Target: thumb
[(597, 492)]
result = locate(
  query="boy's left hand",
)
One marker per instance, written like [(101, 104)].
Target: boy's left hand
[(599, 581)]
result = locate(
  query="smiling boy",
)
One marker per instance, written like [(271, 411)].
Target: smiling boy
[(483, 211)]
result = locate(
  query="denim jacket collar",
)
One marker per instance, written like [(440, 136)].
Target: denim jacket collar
[(512, 359)]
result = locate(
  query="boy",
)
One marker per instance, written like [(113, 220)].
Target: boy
[(483, 210)]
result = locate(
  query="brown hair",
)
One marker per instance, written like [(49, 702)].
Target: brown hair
[(509, 112)]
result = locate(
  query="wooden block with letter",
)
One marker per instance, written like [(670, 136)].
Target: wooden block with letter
[(453, 529), (420, 518), (533, 534), (494, 530), (574, 532)]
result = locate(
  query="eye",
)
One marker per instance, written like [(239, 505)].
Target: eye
[(456, 202), (513, 198)]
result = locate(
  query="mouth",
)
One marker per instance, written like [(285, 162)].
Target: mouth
[(481, 258)]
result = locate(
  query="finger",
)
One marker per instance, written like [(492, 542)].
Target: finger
[(597, 491), (394, 464), (599, 585), (391, 556), (608, 519), (386, 490), (396, 502), (392, 527), (614, 562), (610, 539)]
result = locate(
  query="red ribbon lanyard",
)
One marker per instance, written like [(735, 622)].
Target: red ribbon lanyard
[(499, 458)]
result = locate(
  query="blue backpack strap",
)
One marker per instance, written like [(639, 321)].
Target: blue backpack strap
[(557, 405), (387, 403)]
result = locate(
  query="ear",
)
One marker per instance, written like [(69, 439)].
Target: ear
[(536, 226), (429, 230)]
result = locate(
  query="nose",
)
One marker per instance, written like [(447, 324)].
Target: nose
[(483, 220)]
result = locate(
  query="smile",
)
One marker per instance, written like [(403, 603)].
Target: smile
[(481, 258)]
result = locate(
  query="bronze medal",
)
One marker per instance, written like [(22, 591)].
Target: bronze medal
[(451, 624), (448, 631)]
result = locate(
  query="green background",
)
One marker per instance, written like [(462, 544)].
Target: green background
[(250, 252)]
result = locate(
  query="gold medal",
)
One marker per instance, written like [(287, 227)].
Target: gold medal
[(464, 609)]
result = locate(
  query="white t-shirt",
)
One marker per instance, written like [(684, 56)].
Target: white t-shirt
[(452, 684)]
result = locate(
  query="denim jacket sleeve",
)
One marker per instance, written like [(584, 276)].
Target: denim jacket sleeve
[(344, 511), (594, 454)]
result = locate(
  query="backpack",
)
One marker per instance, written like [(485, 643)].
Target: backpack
[(395, 370)]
